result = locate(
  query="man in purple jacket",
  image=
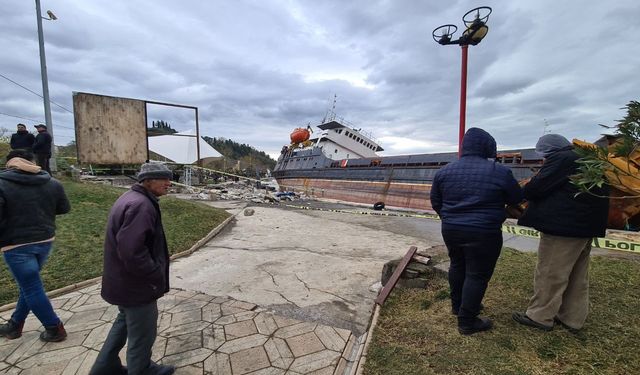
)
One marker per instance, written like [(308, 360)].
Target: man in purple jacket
[(136, 274)]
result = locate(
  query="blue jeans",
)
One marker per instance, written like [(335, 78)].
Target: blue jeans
[(25, 263)]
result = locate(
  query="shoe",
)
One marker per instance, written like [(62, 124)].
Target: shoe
[(11, 329), (568, 328), (479, 325), (55, 333), (523, 319), (454, 311)]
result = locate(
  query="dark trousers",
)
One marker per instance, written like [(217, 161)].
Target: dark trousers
[(138, 326), (43, 161), (473, 258)]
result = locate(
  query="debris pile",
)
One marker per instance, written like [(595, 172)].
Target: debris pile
[(240, 191)]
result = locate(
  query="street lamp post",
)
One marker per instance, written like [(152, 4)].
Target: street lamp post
[(475, 21), (45, 83)]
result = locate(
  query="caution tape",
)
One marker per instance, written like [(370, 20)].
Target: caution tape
[(603, 243)]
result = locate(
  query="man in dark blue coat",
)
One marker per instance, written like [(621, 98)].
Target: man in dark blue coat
[(470, 195), (136, 274), (42, 147), (567, 222)]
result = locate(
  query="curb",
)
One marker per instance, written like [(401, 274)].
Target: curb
[(95, 280)]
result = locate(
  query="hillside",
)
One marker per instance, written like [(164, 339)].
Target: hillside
[(251, 160)]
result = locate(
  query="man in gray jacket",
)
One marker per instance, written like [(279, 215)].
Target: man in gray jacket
[(30, 199), (136, 274)]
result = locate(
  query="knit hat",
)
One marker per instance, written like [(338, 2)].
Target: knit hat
[(550, 143), (154, 170)]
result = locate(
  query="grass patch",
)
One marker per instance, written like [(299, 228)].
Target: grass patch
[(416, 333), (78, 249)]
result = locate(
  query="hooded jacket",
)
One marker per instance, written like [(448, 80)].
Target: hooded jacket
[(553, 206), (42, 144), (136, 258), (471, 193), (29, 203)]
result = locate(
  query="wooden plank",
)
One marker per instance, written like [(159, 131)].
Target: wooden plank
[(396, 276)]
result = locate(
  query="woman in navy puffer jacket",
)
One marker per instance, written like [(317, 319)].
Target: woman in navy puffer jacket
[(470, 195)]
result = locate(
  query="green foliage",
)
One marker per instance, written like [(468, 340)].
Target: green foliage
[(160, 127), (247, 155), (594, 161)]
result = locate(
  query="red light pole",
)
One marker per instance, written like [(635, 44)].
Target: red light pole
[(476, 22)]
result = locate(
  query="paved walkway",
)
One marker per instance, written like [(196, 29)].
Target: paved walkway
[(198, 333)]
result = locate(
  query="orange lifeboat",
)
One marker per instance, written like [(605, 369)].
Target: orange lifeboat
[(300, 135)]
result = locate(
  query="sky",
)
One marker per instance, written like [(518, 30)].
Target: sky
[(258, 69)]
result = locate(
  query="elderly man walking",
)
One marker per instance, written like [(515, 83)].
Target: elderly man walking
[(136, 274), (30, 199), (567, 222)]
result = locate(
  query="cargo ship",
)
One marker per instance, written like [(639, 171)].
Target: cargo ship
[(342, 163)]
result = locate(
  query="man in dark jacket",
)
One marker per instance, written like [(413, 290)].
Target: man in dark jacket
[(29, 202), (567, 225), (470, 195), (22, 138), (136, 274), (42, 147)]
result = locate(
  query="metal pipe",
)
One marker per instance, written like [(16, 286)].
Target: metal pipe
[(45, 89)]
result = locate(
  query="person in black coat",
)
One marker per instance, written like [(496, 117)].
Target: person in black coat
[(470, 195), (42, 147), (567, 222), (22, 139)]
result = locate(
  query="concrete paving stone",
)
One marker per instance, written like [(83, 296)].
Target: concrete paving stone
[(51, 357), (315, 361), (220, 300), (79, 302), (240, 329), (3, 365), (185, 328), (340, 367), (172, 292), (93, 288), (269, 371), (218, 364), (279, 353), (192, 304), (11, 371), (230, 310), (211, 312), (246, 315), (240, 304), (8, 346), (283, 321), (93, 306), (344, 333), (74, 364), (158, 349), (185, 317), (348, 349), (32, 323), (27, 340), (87, 362), (305, 344), (72, 298), (110, 314), (203, 297), (54, 368), (164, 321), (187, 358), (323, 371), (182, 343), (168, 302), (84, 320), (227, 319), (57, 303), (295, 330), (242, 343), (213, 337), (189, 370), (265, 323), (186, 294), (330, 338), (248, 360)]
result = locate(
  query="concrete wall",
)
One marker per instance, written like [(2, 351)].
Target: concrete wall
[(110, 130)]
